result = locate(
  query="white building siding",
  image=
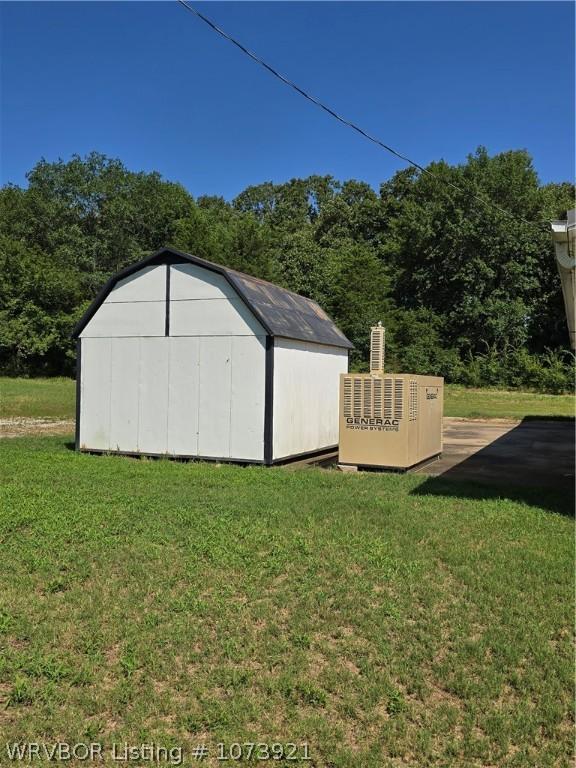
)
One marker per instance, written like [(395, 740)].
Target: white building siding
[(188, 281), (183, 386), (203, 303), (153, 395), (124, 394), (148, 284), (212, 317), (177, 396), (129, 319), (136, 306), (247, 397), (95, 376), (306, 382), (214, 397)]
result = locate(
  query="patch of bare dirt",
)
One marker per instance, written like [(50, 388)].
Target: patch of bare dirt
[(447, 420), (21, 427)]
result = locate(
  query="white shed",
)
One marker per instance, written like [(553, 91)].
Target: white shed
[(178, 356)]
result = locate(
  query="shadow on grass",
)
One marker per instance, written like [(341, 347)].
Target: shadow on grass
[(559, 501), (533, 463)]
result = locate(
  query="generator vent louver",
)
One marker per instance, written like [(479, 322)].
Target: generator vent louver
[(413, 411), (347, 397), (387, 398), (398, 398), (377, 394), (376, 397), (357, 402), (367, 404)]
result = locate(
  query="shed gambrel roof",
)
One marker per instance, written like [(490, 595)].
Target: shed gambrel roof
[(280, 311)]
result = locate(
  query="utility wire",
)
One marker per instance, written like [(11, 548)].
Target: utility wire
[(344, 121)]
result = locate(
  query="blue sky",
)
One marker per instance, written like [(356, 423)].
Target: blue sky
[(152, 85)]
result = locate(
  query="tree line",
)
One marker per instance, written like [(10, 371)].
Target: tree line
[(466, 290)]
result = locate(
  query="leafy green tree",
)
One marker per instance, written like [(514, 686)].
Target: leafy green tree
[(480, 268), (358, 294), (37, 301), (466, 287)]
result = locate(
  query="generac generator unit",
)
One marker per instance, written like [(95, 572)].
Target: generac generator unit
[(389, 420)]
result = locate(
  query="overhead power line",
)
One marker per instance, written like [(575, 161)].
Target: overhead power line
[(344, 121)]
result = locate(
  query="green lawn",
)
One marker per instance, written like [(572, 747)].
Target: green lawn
[(37, 398), (380, 619), (55, 398), (496, 403)]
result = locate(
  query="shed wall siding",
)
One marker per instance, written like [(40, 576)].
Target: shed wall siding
[(188, 281), (212, 317), (183, 387), (129, 319), (203, 303), (124, 395), (136, 306), (95, 393), (148, 284), (306, 389), (247, 397), (178, 396), (153, 395)]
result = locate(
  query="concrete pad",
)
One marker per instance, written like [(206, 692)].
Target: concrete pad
[(525, 453)]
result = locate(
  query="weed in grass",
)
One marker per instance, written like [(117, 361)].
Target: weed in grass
[(21, 693)]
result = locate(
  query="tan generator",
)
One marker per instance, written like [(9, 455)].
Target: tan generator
[(389, 420)]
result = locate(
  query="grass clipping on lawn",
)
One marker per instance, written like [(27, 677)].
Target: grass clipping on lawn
[(183, 604)]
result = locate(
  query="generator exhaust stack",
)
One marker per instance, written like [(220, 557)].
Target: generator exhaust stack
[(377, 348)]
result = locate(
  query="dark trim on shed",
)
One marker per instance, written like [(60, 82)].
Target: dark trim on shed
[(269, 402), (317, 343), (167, 320), (78, 391)]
